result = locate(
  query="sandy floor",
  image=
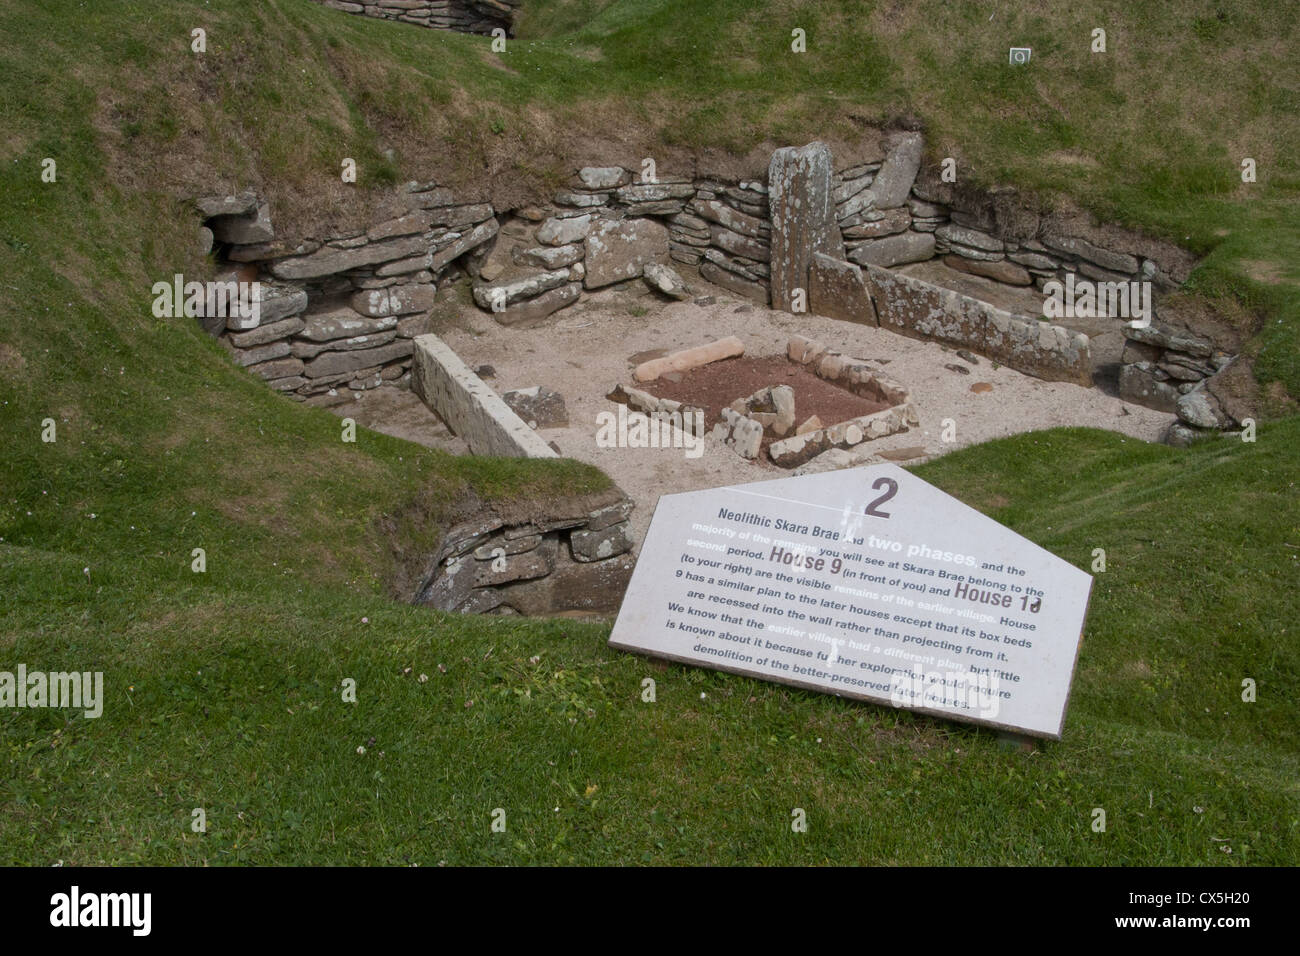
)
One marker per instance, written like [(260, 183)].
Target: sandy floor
[(583, 352)]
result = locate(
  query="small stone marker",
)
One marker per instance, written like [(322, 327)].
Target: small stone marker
[(867, 583)]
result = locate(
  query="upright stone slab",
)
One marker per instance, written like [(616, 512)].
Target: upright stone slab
[(803, 218), (465, 402), (894, 180), (837, 290), (866, 583), (923, 310)]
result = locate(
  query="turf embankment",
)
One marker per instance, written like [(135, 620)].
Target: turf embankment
[(223, 689), (1150, 134), (224, 692)]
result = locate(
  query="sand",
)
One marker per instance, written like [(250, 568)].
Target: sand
[(583, 351)]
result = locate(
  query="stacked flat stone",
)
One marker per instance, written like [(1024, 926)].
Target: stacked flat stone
[(464, 16), (574, 558), (603, 229), (338, 313), (874, 208), (1174, 371), (368, 293), (737, 252)]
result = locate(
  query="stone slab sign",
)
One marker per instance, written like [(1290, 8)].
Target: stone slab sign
[(803, 217), (466, 403), (866, 583)]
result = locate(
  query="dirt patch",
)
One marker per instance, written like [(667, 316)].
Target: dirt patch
[(714, 386), (11, 360), (400, 413), (1237, 391), (1225, 322), (1068, 219), (1068, 158), (1260, 271)]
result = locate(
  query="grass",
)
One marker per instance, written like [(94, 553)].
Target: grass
[(1150, 134), (224, 688), (224, 693)]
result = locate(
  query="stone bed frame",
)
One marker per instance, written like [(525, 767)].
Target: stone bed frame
[(771, 410), (853, 434)]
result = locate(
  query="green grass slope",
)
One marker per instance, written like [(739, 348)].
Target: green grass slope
[(224, 688), (1150, 134), (224, 693)]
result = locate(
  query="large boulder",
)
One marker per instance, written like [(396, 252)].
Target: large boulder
[(532, 311), (666, 281), (895, 250), (539, 406), (470, 240), (395, 300), (1001, 271), (549, 257), (602, 177), (333, 363), (620, 250), (244, 204), (1138, 384), (342, 323), (495, 297), (244, 230), (1200, 408), (561, 232), (329, 261)]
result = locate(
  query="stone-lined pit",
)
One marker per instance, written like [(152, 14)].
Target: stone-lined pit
[(879, 260)]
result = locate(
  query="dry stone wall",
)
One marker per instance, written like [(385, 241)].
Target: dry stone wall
[(465, 16), (339, 312), (573, 558), (829, 228)]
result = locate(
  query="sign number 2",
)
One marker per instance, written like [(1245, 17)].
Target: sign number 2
[(891, 487)]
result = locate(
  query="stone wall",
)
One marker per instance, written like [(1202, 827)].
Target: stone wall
[(1176, 371), (923, 310), (465, 16), (339, 312), (607, 227), (574, 557)]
